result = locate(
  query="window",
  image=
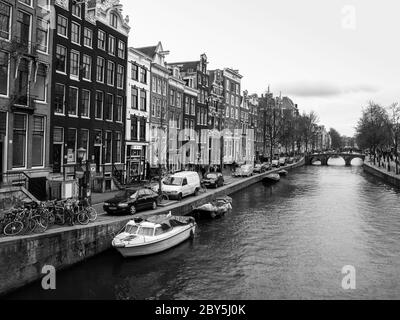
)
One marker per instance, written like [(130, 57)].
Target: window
[(108, 110), (101, 41), (74, 66), (172, 97), (99, 104), (61, 59), (5, 21), (118, 147), (100, 69), (4, 70), (19, 141), (120, 76), (154, 84), (71, 145), (73, 101), (76, 10), (38, 142), (143, 75), (22, 83), (59, 100), (119, 106), (134, 98), (62, 26), (107, 147), (158, 111), (111, 45), (134, 128), (84, 142), (153, 107), (23, 29), (192, 107), (142, 129), (178, 100), (87, 67), (110, 73), (42, 35), (85, 108), (134, 72), (159, 89), (75, 33), (143, 100), (187, 106), (114, 20), (40, 86), (88, 37), (121, 49)]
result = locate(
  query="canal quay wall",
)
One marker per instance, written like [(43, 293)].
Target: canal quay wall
[(382, 173), (22, 258)]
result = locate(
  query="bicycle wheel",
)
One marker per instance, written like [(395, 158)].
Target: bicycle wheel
[(60, 219), (92, 214), (51, 218), (40, 225), (14, 228), (83, 217)]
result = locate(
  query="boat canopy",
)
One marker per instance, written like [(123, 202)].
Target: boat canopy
[(168, 221)]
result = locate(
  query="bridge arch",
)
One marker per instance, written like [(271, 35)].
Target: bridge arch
[(324, 158)]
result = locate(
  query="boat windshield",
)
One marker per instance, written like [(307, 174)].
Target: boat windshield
[(132, 229), (173, 181), (144, 231)]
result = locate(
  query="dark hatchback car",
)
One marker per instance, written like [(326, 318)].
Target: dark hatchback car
[(213, 180), (131, 200)]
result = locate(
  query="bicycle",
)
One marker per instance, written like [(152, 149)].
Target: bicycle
[(15, 225)]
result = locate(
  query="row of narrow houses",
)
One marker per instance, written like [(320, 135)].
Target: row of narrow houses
[(76, 96)]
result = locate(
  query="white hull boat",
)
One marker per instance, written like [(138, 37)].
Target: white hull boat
[(274, 177), (153, 235)]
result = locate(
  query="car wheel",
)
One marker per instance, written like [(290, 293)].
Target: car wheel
[(196, 192), (154, 205), (180, 197), (132, 209)]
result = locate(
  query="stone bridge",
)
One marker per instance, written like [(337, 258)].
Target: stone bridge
[(324, 157)]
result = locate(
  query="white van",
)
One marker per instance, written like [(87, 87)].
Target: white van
[(181, 184)]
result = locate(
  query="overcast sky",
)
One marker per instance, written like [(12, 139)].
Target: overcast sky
[(311, 50)]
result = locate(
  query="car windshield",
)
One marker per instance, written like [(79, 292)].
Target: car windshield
[(132, 229), (173, 181), (126, 193), (211, 176), (144, 231)]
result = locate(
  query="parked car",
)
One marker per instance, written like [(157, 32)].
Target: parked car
[(266, 166), (258, 168), (131, 201), (282, 161), (275, 163), (213, 179), (181, 184), (247, 170)]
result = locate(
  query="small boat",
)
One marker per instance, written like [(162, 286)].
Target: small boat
[(274, 177), (153, 235), (216, 209), (283, 172)]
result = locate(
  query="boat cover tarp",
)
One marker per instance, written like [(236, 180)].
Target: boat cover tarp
[(168, 221)]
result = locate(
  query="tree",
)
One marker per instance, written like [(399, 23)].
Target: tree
[(394, 114), (308, 122), (372, 131), (337, 141), (272, 119)]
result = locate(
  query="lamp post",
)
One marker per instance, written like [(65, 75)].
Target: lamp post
[(83, 175)]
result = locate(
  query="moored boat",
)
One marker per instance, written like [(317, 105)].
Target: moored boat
[(215, 209), (273, 177), (283, 172), (153, 235)]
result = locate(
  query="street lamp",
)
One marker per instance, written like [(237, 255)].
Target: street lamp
[(83, 175)]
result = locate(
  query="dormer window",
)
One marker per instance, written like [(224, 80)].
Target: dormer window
[(114, 20)]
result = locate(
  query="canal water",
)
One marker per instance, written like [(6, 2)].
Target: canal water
[(284, 241)]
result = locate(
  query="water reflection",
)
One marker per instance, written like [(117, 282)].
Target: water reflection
[(284, 241)]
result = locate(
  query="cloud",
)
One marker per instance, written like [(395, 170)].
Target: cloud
[(320, 89)]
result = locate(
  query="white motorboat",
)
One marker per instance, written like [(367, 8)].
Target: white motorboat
[(283, 172), (274, 177), (153, 235)]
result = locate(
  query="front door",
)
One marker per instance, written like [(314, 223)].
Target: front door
[(57, 158)]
